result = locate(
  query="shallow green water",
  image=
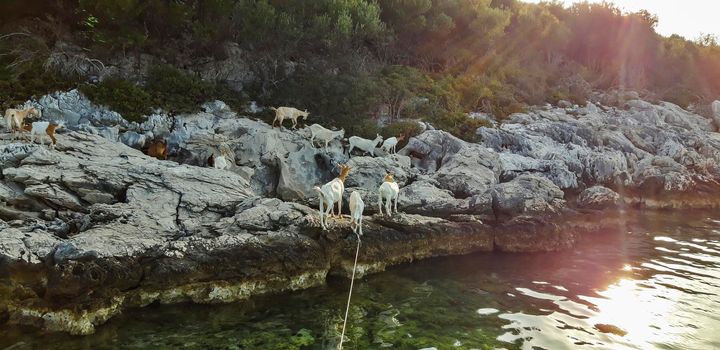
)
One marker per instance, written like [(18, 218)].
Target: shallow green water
[(657, 280)]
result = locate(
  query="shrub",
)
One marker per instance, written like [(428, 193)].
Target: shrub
[(32, 83), (460, 125), (176, 91), (167, 88), (122, 96), (408, 128)]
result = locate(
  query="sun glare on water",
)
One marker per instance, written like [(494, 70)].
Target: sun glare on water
[(645, 314)]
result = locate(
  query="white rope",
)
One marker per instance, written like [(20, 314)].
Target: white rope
[(352, 281)]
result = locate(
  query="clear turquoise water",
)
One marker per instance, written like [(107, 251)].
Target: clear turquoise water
[(657, 280)]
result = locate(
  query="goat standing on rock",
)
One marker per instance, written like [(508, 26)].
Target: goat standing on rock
[(356, 212), (15, 118), (388, 191), (42, 129), (322, 134), (390, 144), (282, 113), (368, 146), (331, 193)]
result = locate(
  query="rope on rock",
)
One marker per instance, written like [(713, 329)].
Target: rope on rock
[(352, 281)]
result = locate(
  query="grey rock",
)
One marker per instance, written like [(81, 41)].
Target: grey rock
[(136, 140), (425, 198), (598, 197), (74, 108), (470, 171), (564, 104), (526, 194)]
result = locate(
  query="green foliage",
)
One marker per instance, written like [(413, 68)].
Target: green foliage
[(166, 88), (175, 91), (33, 82), (459, 125), (348, 60), (398, 85), (334, 24), (345, 100), (403, 127), (179, 92), (122, 96)]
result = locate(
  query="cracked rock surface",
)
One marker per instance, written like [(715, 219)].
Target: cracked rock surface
[(95, 226)]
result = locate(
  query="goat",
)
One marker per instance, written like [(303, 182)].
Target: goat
[(158, 149), (221, 163), (389, 144), (15, 118), (282, 113), (43, 128), (356, 212), (331, 193), (368, 146), (388, 191), (322, 134)]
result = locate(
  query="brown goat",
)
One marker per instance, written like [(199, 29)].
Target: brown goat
[(158, 149)]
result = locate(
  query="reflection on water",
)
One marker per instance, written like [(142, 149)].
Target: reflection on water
[(653, 284)]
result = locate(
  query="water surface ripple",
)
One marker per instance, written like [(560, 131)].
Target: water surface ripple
[(654, 284)]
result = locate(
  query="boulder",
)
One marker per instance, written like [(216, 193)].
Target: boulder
[(598, 197), (369, 172), (470, 171), (526, 194), (431, 149), (75, 109), (424, 197)]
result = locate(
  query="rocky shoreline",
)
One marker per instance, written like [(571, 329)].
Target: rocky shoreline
[(95, 226)]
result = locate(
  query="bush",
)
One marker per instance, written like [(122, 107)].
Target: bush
[(179, 92), (460, 125), (406, 127), (122, 96), (167, 88), (32, 83)]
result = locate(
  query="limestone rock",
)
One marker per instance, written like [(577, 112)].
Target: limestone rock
[(526, 194), (598, 197)]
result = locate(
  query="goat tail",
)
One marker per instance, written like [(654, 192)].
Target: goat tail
[(273, 109)]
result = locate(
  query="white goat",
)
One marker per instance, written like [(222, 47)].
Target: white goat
[(322, 134), (221, 163), (282, 113), (388, 191), (356, 212), (15, 118), (368, 146), (224, 160), (390, 143), (43, 129), (331, 193)]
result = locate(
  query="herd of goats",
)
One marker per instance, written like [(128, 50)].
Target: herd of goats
[(330, 193)]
